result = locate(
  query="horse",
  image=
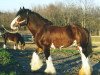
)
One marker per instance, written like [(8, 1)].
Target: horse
[(46, 35), (14, 37)]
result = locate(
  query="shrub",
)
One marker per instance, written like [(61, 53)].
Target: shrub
[(5, 57)]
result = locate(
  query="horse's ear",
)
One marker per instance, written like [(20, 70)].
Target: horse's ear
[(23, 7)]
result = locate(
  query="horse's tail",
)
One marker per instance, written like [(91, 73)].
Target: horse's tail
[(89, 44)]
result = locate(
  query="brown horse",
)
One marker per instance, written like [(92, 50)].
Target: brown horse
[(47, 36), (15, 37)]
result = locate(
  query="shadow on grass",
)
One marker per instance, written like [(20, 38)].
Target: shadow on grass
[(96, 69), (69, 65)]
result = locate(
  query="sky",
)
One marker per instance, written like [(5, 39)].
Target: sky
[(12, 5)]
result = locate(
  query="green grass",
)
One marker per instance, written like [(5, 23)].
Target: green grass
[(5, 57), (11, 73), (64, 50), (7, 62), (95, 38)]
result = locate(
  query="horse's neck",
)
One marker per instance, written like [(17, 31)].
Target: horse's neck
[(36, 24), (34, 29)]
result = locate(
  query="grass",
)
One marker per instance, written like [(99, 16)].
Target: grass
[(95, 38), (11, 73), (64, 50)]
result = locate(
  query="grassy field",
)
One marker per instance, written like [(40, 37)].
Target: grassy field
[(95, 38), (66, 61)]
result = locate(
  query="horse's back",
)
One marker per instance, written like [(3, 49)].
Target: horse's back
[(11, 36)]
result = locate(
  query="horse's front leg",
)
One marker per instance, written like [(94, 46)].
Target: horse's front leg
[(50, 67), (15, 46), (36, 62), (5, 42)]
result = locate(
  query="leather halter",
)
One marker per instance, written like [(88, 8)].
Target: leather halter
[(24, 22)]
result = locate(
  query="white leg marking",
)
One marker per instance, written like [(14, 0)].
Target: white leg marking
[(74, 43), (50, 67), (61, 47), (15, 47), (52, 46), (85, 62), (36, 62), (19, 47), (13, 22), (4, 46)]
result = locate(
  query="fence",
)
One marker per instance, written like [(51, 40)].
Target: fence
[(28, 38)]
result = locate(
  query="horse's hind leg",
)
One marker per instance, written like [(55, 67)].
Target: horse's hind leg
[(85, 69), (19, 47), (15, 46), (36, 62), (50, 67), (5, 42)]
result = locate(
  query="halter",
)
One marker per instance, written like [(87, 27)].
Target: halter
[(26, 21)]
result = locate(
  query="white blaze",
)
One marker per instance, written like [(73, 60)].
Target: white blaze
[(13, 22)]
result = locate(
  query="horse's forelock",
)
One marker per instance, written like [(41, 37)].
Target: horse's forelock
[(23, 11)]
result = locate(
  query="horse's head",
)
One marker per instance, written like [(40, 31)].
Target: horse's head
[(21, 18)]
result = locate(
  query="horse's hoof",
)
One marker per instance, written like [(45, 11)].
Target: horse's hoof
[(36, 62), (36, 66), (52, 71)]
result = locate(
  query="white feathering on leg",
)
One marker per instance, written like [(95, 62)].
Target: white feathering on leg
[(4, 46), (50, 67), (85, 63), (15, 47), (36, 62), (19, 47)]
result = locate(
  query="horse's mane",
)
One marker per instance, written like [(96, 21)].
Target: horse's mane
[(25, 11)]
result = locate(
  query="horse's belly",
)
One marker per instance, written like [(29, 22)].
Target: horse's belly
[(9, 40), (63, 44)]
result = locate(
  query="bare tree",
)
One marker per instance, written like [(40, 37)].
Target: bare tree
[(86, 5)]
